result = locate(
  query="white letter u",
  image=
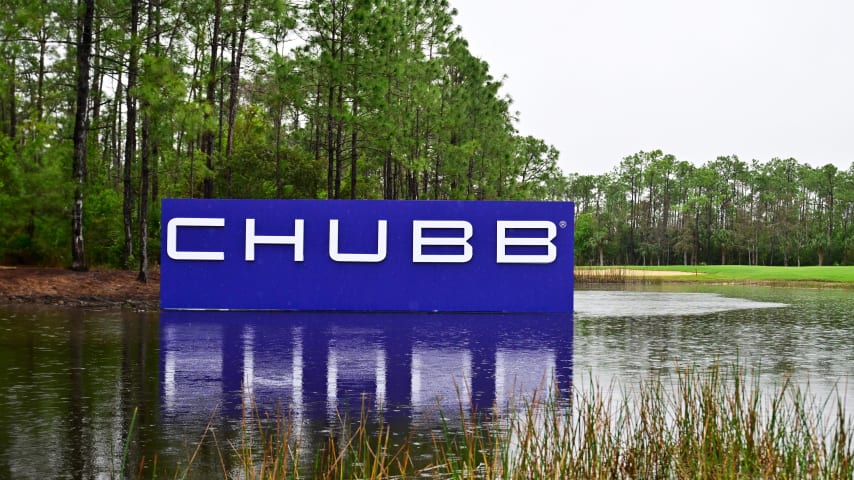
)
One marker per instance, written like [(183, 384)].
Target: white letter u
[(382, 241)]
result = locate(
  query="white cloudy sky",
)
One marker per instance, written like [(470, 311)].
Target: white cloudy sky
[(602, 79)]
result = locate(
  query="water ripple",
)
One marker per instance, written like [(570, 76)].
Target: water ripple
[(642, 304)]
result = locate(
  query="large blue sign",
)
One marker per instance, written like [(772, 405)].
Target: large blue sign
[(323, 255)]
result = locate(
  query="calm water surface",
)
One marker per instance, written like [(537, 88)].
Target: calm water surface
[(74, 381)]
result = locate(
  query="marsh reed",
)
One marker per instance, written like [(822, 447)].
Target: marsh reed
[(711, 423), (614, 275)]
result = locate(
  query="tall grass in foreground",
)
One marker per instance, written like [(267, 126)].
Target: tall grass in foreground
[(707, 424)]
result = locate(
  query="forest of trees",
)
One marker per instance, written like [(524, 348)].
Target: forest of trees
[(106, 107)]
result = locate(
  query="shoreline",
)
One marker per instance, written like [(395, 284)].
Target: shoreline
[(96, 288), (119, 289), (793, 277)]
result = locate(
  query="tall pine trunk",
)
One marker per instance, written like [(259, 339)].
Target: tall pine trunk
[(354, 135), (234, 84), (41, 74), (145, 157), (142, 276), (339, 131), (354, 153), (208, 136), (112, 153), (130, 135), (13, 107), (330, 145), (278, 152), (96, 92), (78, 167)]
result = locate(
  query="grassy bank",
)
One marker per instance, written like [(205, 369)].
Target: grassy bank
[(713, 424), (839, 275)]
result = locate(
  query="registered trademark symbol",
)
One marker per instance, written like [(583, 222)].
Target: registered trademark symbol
[(562, 224)]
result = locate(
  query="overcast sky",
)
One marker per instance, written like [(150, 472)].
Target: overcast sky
[(603, 79)]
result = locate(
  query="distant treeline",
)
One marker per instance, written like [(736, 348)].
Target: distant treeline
[(656, 210), (107, 107)]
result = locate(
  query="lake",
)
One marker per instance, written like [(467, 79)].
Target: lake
[(75, 382)]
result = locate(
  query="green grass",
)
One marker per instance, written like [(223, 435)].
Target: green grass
[(715, 423), (747, 273)]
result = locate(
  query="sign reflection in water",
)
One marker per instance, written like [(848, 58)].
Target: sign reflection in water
[(317, 365)]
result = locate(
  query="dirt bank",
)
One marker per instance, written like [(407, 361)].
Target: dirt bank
[(93, 289)]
